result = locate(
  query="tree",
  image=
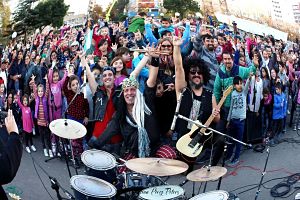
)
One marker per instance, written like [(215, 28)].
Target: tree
[(48, 12), (23, 17), (96, 13), (117, 11), (5, 18), (181, 6)]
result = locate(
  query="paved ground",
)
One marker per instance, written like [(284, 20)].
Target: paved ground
[(284, 160)]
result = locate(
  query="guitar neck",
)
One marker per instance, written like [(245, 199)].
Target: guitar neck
[(211, 118)]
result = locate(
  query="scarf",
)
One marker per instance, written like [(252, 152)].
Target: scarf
[(143, 139)]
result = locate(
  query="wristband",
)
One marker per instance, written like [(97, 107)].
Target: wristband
[(155, 62)]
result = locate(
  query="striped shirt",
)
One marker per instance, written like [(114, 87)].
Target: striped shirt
[(41, 121)]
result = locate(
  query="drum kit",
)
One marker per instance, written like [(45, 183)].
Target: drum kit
[(143, 180)]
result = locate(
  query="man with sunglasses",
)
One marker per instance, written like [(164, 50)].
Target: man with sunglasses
[(198, 103), (105, 101)]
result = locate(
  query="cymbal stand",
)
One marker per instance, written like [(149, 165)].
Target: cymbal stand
[(66, 124), (265, 168), (209, 166), (223, 163), (73, 157)]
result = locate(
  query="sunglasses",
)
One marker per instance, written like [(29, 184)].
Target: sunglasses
[(110, 69), (166, 46), (194, 72)]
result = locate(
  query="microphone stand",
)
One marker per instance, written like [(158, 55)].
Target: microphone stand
[(213, 130), (56, 186), (265, 168)]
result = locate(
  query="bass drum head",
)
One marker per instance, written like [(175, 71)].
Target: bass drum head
[(98, 160), (92, 187), (163, 192), (213, 195)]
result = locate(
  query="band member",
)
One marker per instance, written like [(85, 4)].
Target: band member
[(10, 152), (199, 103), (134, 118)]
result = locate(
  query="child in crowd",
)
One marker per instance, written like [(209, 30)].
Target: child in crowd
[(120, 67), (55, 100), (279, 108), (266, 111), (41, 114), (236, 117), (78, 110), (27, 122)]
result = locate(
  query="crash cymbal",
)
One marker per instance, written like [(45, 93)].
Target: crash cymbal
[(156, 166), (205, 174), (67, 128)]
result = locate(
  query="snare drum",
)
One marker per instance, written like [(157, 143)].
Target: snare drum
[(100, 164), (164, 192), (213, 195), (91, 188)]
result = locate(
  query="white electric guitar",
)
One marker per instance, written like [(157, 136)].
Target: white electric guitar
[(192, 146)]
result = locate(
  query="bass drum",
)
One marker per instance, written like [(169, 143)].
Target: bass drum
[(163, 192), (213, 195), (91, 188), (130, 184), (100, 164)]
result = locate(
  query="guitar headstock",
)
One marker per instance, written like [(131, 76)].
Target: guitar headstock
[(228, 91)]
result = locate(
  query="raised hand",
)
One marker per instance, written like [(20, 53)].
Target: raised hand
[(33, 77), (114, 47), (177, 41)]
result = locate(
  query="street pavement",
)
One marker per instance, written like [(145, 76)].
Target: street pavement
[(284, 160)]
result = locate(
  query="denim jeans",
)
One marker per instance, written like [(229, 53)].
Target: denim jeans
[(265, 118), (236, 130)]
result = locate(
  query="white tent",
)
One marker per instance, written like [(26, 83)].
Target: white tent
[(252, 27)]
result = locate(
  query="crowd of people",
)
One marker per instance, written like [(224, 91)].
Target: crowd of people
[(134, 74)]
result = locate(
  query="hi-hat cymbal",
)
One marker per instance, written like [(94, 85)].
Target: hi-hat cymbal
[(67, 128), (205, 174), (156, 166)]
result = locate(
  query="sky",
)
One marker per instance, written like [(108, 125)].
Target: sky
[(77, 6)]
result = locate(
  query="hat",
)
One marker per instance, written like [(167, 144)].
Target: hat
[(75, 43), (181, 27), (130, 82)]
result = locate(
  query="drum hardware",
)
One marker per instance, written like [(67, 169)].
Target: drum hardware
[(223, 162)]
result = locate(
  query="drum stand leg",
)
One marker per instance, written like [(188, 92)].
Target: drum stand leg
[(73, 157), (66, 157), (204, 189)]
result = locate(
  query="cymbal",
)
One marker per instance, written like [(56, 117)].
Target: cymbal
[(156, 166), (67, 128), (204, 174)]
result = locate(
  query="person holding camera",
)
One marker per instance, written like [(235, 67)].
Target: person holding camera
[(10, 152)]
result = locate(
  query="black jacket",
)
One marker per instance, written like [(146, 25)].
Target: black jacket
[(10, 158), (100, 100), (129, 133)]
